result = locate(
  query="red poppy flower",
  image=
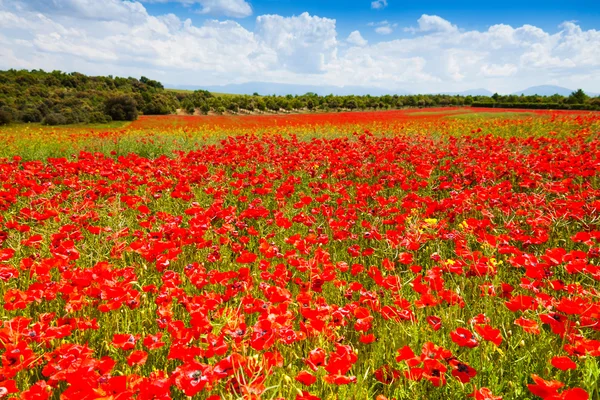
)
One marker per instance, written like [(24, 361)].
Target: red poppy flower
[(306, 396), (405, 353), (386, 374), (39, 391), (563, 363), (490, 334), (124, 341), (137, 357), (484, 394), (306, 378), (434, 322), (246, 258), (464, 338), (153, 342), (544, 389), (316, 358), (341, 360), (8, 387), (528, 325), (435, 372), (575, 394), (192, 377), (367, 339), (463, 372), (338, 379)]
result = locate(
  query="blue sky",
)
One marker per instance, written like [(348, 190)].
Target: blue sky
[(476, 14), (415, 46)]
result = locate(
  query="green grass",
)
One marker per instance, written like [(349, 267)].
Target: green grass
[(438, 112), (492, 115), (37, 125)]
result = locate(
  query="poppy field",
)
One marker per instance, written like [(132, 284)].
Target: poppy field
[(439, 254)]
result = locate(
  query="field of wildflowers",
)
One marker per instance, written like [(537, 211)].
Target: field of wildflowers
[(435, 254)]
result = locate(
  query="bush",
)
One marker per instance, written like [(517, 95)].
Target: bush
[(99, 118), (31, 115), (54, 119), (5, 117), (121, 108), (205, 108), (157, 107)]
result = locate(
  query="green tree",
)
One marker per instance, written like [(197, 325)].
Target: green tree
[(5, 117), (578, 97), (121, 108)]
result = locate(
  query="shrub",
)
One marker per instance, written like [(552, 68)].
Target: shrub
[(204, 107), (31, 115), (99, 118), (54, 119), (121, 108), (158, 106), (5, 117)]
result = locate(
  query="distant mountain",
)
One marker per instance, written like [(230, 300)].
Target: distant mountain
[(282, 89), (471, 92), (549, 90)]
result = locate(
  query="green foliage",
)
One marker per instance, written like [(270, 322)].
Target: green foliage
[(61, 98), (577, 100), (540, 106), (98, 117), (54, 119), (5, 117), (31, 115), (578, 97), (121, 108)]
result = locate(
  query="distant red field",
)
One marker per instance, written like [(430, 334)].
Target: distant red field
[(340, 118)]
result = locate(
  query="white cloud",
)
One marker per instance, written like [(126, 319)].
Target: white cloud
[(384, 30), (107, 10), (302, 43), (122, 38), (383, 27), (355, 38), (495, 70), (379, 4), (227, 8), (433, 23)]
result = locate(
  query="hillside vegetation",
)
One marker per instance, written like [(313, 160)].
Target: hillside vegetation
[(55, 98), (58, 98)]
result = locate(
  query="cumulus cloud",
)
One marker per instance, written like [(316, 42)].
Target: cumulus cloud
[(302, 43), (433, 23), (379, 4), (384, 30), (356, 39), (383, 27), (122, 38)]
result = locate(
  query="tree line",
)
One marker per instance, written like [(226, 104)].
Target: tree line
[(56, 98), (204, 102), (578, 100)]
